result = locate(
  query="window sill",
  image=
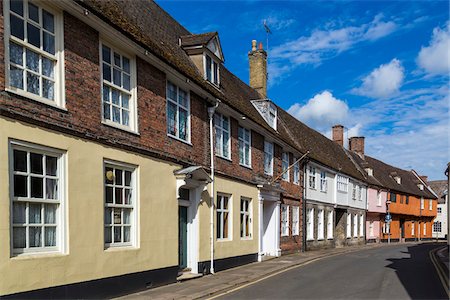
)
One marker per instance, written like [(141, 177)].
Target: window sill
[(245, 166), (223, 240), (246, 239), (323, 192), (36, 98), (33, 255), (120, 248), (320, 239), (283, 235), (120, 127), (309, 239), (224, 158), (180, 140)]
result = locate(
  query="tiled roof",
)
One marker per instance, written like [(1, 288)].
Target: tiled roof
[(439, 187), (197, 39)]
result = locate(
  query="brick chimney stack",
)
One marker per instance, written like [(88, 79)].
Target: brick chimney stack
[(338, 134), (258, 69), (356, 144)]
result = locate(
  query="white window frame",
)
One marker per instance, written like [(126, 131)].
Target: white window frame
[(342, 184), (361, 225), (243, 144), (378, 198), (60, 214), (312, 177), (296, 172), (320, 224), (179, 107), (354, 188), (424, 228), (323, 181), (360, 193), (310, 224), (349, 225), (371, 223), (272, 115), (215, 81), (295, 220), (285, 166), (437, 226), (330, 223), (439, 210), (412, 228), (58, 57), (268, 153), (220, 211), (132, 105), (220, 129), (133, 206), (246, 216), (422, 204), (355, 225), (430, 205), (284, 220)]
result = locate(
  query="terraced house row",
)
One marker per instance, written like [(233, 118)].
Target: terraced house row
[(130, 156)]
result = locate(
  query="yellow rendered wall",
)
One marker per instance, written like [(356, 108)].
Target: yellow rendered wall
[(234, 246), (86, 258)]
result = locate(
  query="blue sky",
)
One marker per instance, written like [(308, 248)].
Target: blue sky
[(380, 68)]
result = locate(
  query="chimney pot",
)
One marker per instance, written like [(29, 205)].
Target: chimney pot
[(356, 144), (253, 45), (260, 46), (338, 134)]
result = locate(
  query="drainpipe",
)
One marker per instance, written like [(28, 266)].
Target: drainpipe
[(211, 111), (304, 209)]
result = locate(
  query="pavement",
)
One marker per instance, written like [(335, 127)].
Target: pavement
[(211, 285), (440, 259)]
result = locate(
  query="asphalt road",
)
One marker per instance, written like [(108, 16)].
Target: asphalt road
[(393, 272)]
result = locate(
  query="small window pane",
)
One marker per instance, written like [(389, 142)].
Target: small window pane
[(116, 114), (108, 212), (19, 212), (117, 77), (115, 97), (108, 234), (171, 91), (125, 117), (35, 236), (126, 233), (126, 82), (127, 178), (48, 89), (48, 21), (109, 175), (33, 35), (16, 54), (126, 64), (109, 194), (106, 54), (17, 27), (20, 161), (33, 83), (125, 101), (117, 60), (37, 189), (51, 188), (171, 118), (126, 216), (20, 186), (50, 213), (106, 93), (47, 67), (106, 111), (36, 163), (119, 195), (32, 61), (50, 236), (127, 196), (118, 177), (16, 77), (106, 72), (117, 216), (182, 98), (19, 237), (117, 234), (16, 6), (51, 164), (33, 12), (34, 211)]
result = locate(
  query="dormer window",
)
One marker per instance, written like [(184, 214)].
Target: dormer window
[(268, 111), (398, 179), (211, 70)]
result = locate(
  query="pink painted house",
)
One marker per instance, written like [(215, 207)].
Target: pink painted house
[(376, 211)]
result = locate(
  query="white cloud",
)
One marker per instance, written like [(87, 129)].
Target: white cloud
[(435, 59), (382, 82), (275, 22), (321, 112), (324, 44)]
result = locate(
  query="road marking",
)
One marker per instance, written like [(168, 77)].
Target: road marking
[(439, 270), (276, 273)]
